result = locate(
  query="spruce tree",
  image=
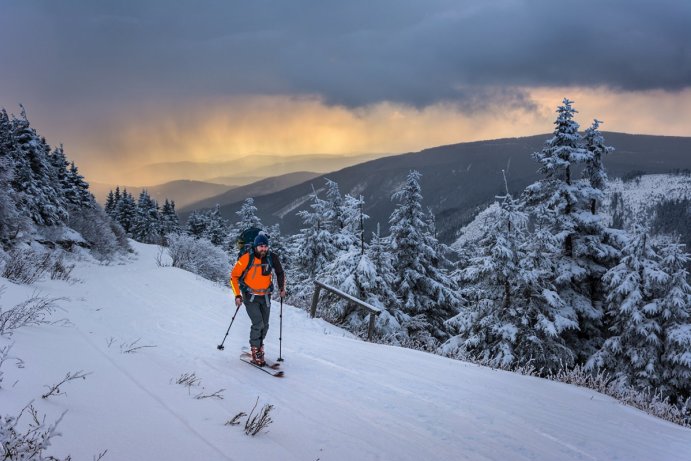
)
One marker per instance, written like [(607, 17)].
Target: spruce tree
[(147, 225), (247, 216), (587, 247), (424, 288), (196, 224), (126, 212), (9, 218), (110, 203), (382, 295), (634, 348), (674, 307), (170, 223), (216, 230), (79, 194), (594, 171), (35, 179)]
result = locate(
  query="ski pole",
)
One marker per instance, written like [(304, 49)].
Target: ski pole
[(220, 346), (280, 334)]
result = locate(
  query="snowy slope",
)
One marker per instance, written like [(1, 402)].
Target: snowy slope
[(341, 399)]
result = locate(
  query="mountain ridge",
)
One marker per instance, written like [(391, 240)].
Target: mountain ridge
[(459, 179)]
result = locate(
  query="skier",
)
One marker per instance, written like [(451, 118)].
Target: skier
[(252, 283)]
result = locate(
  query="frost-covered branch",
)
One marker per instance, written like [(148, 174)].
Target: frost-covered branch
[(33, 311), (55, 388)]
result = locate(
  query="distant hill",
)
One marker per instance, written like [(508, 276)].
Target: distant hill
[(256, 189), (461, 179), (183, 192), (244, 170)]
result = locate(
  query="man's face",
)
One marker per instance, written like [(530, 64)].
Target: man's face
[(261, 250)]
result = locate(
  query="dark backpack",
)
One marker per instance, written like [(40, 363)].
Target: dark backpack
[(246, 239)]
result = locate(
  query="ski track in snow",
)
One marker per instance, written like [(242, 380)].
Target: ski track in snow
[(341, 398)]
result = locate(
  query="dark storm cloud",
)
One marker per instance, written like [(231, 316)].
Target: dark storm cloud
[(350, 52)]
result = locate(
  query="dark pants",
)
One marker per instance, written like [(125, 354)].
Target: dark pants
[(259, 311)]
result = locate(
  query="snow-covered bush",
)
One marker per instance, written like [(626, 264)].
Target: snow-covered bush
[(25, 266), (199, 256), (105, 237), (33, 311), (29, 442)]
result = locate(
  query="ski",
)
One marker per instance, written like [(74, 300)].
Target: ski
[(266, 369)]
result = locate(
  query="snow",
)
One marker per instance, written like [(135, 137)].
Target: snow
[(341, 398)]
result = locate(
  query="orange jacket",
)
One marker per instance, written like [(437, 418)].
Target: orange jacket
[(256, 281)]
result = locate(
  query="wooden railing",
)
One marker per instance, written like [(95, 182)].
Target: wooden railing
[(374, 311)]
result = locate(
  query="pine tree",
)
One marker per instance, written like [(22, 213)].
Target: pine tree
[(79, 194), (382, 295), (147, 224), (170, 223), (315, 241), (594, 171), (334, 209), (675, 311), (126, 212), (196, 224), (350, 271), (425, 290), (35, 179), (514, 316), (588, 248), (248, 216), (633, 351), (110, 203), (216, 230), (9, 218)]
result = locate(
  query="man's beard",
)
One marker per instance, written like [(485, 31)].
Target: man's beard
[(261, 253)]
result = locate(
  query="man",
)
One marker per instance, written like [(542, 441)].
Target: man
[(251, 281)]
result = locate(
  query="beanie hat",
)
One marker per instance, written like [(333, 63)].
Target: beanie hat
[(261, 239)]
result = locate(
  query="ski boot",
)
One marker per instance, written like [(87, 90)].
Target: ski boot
[(257, 356)]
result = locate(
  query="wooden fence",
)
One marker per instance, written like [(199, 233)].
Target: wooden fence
[(373, 311)]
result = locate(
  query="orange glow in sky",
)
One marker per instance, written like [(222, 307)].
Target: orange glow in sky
[(224, 130)]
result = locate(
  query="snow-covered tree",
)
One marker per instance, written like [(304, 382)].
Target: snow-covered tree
[(633, 351), (594, 171), (382, 295), (170, 223), (147, 225), (315, 246), (9, 217), (588, 247), (334, 209), (675, 311), (424, 288), (247, 216), (514, 316), (126, 212), (35, 179), (77, 191), (216, 227), (196, 224)]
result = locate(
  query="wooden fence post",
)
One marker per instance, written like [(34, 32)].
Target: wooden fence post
[(373, 311), (315, 299)]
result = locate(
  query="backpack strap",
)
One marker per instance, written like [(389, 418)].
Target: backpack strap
[(243, 285), (250, 262)]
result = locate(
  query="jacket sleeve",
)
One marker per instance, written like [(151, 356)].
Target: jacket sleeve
[(278, 268), (237, 272)]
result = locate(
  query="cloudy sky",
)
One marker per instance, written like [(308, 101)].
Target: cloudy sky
[(142, 81)]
